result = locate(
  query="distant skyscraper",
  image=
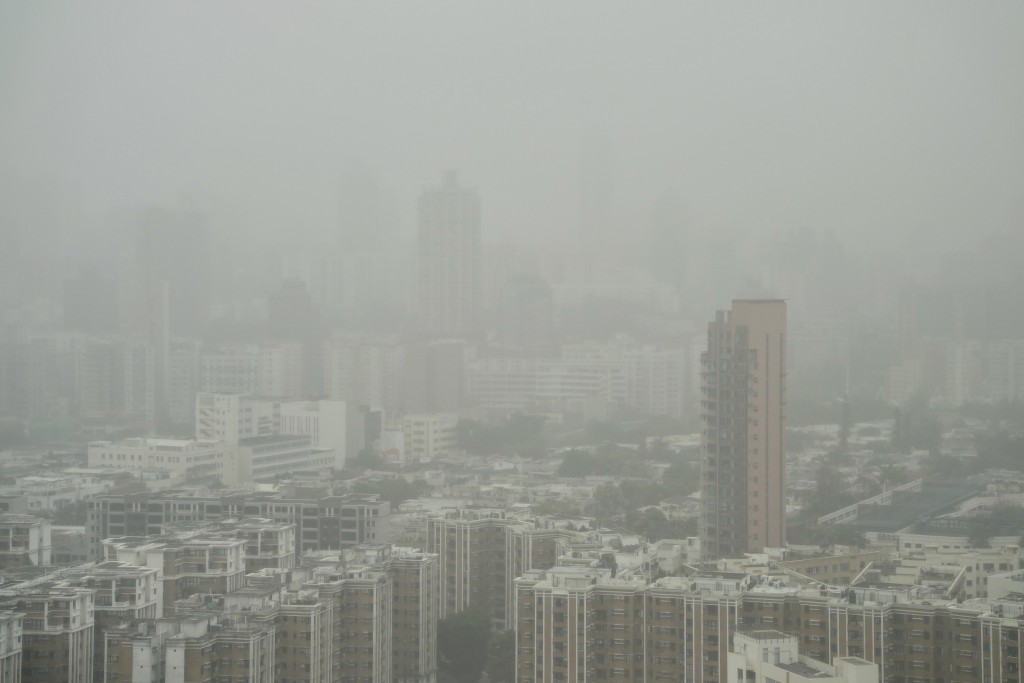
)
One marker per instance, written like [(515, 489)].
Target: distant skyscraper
[(90, 304), (171, 274), (743, 403), (365, 223), (448, 274), (526, 316)]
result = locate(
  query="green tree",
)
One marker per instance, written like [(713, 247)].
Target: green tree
[(501, 657), (654, 526), (519, 435), (365, 460), (947, 467), (462, 650), (682, 478), (72, 514), (1001, 520), (557, 508), (395, 490)]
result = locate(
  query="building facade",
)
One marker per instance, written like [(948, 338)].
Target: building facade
[(743, 398), (449, 258)]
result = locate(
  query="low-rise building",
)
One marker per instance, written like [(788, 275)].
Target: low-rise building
[(268, 457), (185, 460), (774, 657), (429, 436)]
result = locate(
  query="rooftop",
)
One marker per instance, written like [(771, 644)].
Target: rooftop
[(768, 634), (805, 670)]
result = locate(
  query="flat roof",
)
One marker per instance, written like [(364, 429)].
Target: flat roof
[(769, 634), (805, 670)]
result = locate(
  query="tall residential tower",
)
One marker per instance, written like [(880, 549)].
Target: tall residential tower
[(743, 400), (448, 277)]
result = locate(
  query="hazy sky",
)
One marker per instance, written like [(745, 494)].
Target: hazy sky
[(875, 118)]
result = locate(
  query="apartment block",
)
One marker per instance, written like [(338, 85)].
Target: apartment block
[(10, 647), (24, 540), (763, 656), (481, 554), (322, 522), (743, 398), (362, 601), (448, 284), (185, 460), (57, 633), (187, 565), (428, 437), (415, 582), (233, 417), (332, 426), (231, 370), (366, 371), (122, 594), (506, 385), (580, 624), (268, 457)]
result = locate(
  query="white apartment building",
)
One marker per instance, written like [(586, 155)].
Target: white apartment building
[(1006, 369), (429, 436), (232, 418), (231, 370), (365, 371), (183, 459), (346, 284), (505, 385), (283, 370), (656, 376), (182, 380), (331, 425), (266, 457), (773, 657), (25, 540)]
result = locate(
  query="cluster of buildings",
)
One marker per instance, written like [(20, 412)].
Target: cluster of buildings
[(232, 555), (958, 345), (297, 586)]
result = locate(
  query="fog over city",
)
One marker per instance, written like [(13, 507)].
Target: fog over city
[(897, 123), (436, 342)]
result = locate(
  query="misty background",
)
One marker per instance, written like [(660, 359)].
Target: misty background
[(833, 155)]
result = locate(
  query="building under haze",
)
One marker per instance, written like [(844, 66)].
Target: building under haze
[(743, 403), (449, 257)]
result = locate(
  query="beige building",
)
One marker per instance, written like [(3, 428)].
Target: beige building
[(415, 584), (322, 522), (186, 565), (743, 399), (428, 437), (576, 624), (482, 552), (362, 625)]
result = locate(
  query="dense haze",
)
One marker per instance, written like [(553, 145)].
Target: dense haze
[(889, 123), (649, 163), (499, 342)]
